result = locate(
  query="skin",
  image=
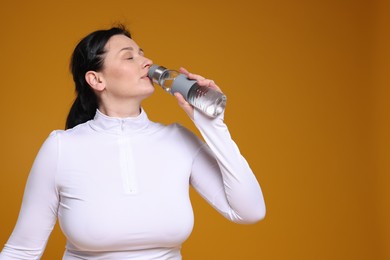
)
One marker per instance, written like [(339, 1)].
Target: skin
[(123, 84)]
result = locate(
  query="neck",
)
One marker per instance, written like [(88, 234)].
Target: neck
[(121, 111)]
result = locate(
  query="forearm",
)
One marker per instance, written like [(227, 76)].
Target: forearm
[(240, 188)]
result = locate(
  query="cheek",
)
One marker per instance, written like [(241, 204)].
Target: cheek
[(119, 72), (120, 75)]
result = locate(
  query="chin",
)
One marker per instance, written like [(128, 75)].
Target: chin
[(149, 92)]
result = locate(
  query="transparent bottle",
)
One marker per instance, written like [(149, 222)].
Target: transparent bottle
[(207, 100)]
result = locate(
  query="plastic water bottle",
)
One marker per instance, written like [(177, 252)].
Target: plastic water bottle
[(207, 100)]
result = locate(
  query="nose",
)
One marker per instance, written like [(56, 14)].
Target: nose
[(147, 63)]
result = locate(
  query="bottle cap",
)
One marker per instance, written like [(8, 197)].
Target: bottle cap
[(155, 72)]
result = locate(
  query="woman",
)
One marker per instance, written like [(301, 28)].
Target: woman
[(119, 183)]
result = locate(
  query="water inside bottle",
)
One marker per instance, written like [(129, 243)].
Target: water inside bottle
[(167, 79), (206, 99)]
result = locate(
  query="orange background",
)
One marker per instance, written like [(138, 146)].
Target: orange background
[(308, 89)]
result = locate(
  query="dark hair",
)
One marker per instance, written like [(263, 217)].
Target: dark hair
[(88, 55)]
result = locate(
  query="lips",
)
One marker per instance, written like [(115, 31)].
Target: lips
[(146, 78)]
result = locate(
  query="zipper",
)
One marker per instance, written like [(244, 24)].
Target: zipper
[(127, 165)]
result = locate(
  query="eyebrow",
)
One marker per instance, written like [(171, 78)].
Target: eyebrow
[(131, 49)]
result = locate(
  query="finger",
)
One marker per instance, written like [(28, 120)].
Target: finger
[(190, 75), (201, 80), (214, 86), (185, 105), (209, 83), (182, 102), (183, 71)]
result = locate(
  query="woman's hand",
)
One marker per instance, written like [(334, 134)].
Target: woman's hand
[(189, 109)]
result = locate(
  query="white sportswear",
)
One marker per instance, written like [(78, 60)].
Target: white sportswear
[(120, 188)]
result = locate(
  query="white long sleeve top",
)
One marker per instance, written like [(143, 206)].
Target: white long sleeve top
[(120, 188)]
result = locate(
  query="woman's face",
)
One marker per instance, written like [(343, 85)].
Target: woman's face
[(125, 70)]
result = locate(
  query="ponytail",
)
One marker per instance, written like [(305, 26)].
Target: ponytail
[(82, 110)]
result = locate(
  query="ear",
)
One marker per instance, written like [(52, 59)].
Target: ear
[(95, 80)]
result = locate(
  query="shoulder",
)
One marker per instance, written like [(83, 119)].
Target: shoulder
[(183, 135), (58, 137), (50, 145), (180, 130), (77, 131)]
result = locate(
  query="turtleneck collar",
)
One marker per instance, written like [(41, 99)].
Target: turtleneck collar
[(116, 125)]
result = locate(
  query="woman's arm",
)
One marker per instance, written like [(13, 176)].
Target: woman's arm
[(38, 213), (222, 175)]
